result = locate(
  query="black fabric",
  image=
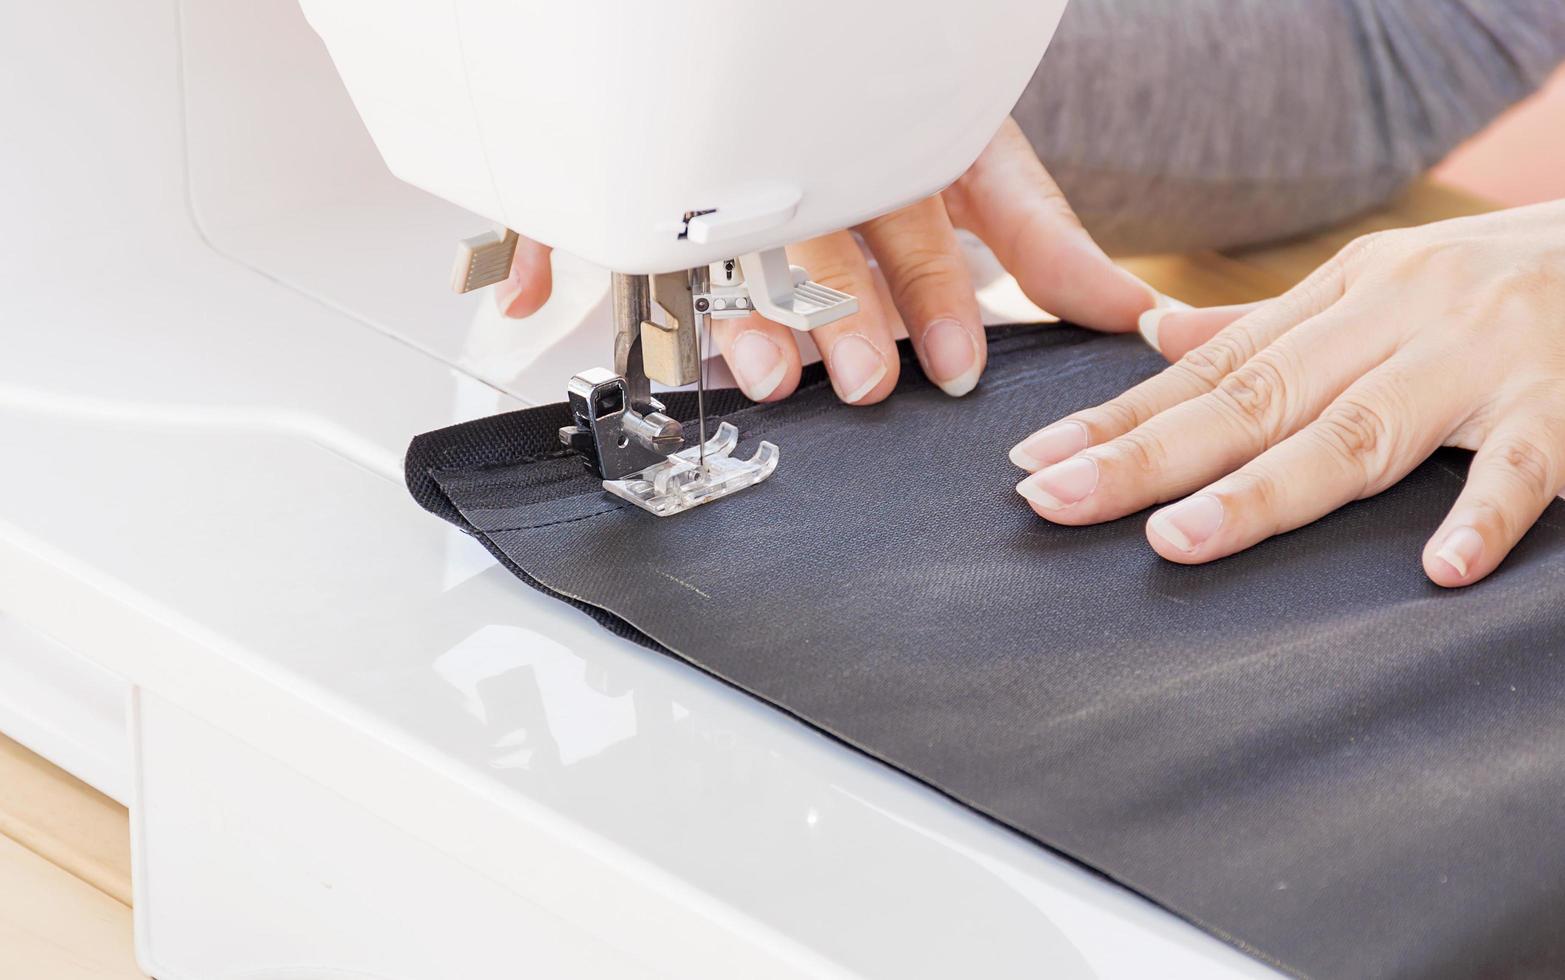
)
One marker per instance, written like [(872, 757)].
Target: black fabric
[(1306, 749)]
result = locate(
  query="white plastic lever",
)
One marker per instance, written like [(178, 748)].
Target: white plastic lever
[(782, 293), (763, 211)]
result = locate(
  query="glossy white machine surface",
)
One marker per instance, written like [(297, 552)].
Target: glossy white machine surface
[(221, 324), (597, 127)]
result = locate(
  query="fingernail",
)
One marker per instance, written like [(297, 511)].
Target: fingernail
[(1461, 550), (951, 356), (1059, 441), (1188, 523), (1062, 484), (757, 363), (856, 367), (1148, 324)]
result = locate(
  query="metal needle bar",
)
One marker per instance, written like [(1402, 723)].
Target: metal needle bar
[(632, 305), (698, 287)]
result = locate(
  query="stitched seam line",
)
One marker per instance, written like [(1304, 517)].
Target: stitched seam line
[(563, 520)]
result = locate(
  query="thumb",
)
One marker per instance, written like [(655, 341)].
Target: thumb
[(1009, 200), (1175, 330)]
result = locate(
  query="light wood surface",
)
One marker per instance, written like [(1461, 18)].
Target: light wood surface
[(54, 926), (1216, 279), (64, 821), (64, 875), (65, 848)]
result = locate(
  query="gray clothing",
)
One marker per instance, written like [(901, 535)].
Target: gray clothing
[(1177, 124)]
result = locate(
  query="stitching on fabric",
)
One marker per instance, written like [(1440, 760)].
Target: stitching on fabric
[(563, 520), (501, 463)]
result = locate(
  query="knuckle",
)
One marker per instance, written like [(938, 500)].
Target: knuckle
[(1506, 302), (1525, 463), (1426, 256), (1257, 394), (1538, 275), (1361, 248), (1217, 358), (1255, 493), (1357, 432), (835, 273), (1362, 259), (919, 270), (1143, 451), (1122, 414)]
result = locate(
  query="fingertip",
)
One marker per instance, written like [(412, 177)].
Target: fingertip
[(1063, 493), (1140, 297), (1178, 329), (1148, 324), (1168, 544), (1050, 445), (952, 352), (1038, 510), (964, 383), (530, 283), (876, 389), (1021, 460), (1041, 504), (518, 301), (762, 356), (861, 371), (1443, 573), (783, 382), (1187, 531), (1075, 279), (1105, 296), (1455, 560)]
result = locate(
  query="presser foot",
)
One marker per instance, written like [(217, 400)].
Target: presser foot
[(682, 481)]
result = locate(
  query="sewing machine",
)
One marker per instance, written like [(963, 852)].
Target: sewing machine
[(699, 138), (352, 744)]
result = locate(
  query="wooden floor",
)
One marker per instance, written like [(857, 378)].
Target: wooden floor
[(64, 875), (65, 848)]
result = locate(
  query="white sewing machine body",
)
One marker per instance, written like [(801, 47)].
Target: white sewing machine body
[(596, 127), (352, 744), (682, 145)]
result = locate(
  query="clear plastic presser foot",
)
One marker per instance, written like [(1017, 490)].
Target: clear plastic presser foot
[(681, 482)]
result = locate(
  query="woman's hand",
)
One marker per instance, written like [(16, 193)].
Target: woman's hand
[(1006, 198), (1448, 335)]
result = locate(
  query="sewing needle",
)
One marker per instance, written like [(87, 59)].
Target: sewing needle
[(699, 283)]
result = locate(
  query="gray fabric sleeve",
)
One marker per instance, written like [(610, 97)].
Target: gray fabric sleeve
[(1178, 124)]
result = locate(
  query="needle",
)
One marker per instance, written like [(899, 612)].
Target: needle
[(698, 284)]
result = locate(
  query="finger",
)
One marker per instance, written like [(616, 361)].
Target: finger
[(1269, 398), (1009, 200), (917, 250), (531, 281), (763, 356), (1197, 372), (860, 351), (1174, 332), (1517, 471), (1385, 424)]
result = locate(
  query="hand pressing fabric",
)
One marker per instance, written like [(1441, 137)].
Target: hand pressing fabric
[(1006, 198), (1274, 415)]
